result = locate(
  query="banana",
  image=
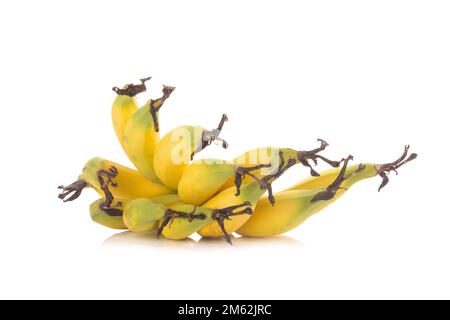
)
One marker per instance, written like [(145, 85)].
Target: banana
[(182, 220), (113, 216), (141, 135), (301, 201), (202, 179), (124, 106), (112, 180), (108, 217), (178, 220), (142, 214), (177, 148), (249, 193), (270, 155)]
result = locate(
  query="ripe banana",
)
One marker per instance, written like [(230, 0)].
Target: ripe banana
[(177, 148), (249, 193), (270, 155), (113, 216), (202, 179), (141, 135), (124, 106), (108, 217), (176, 220), (142, 214), (112, 180), (306, 198), (182, 220)]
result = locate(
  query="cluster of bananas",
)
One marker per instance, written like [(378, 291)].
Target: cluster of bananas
[(175, 196)]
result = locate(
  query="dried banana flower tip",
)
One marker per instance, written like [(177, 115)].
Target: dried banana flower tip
[(72, 191), (384, 169)]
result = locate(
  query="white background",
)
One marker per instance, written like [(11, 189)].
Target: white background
[(368, 76)]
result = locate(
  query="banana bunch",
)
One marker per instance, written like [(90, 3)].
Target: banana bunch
[(176, 196)]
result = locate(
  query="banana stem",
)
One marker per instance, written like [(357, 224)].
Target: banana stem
[(241, 172), (209, 136), (220, 215), (131, 89), (170, 214), (266, 181), (331, 190), (155, 105)]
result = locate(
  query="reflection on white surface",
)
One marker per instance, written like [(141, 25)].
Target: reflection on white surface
[(127, 238)]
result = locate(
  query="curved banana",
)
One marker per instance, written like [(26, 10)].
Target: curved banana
[(108, 217), (113, 216), (142, 215), (306, 198), (141, 135), (271, 155), (177, 220), (177, 148), (124, 106), (202, 179), (112, 180), (249, 193)]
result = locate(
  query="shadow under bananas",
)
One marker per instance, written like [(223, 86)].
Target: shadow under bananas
[(145, 239), (128, 238)]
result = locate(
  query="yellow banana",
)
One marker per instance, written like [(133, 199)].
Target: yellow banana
[(141, 135), (108, 217), (124, 106), (113, 216), (306, 198), (177, 220), (177, 148), (183, 220), (202, 179), (236, 195), (142, 214), (112, 180), (270, 155)]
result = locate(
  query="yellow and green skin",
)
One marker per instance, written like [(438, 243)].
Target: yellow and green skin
[(141, 135), (252, 192), (183, 220), (124, 105), (144, 214), (299, 202), (177, 148), (108, 217), (113, 215), (122, 182), (294, 206), (271, 155), (176, 220), (249, 193), (203, 179)]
